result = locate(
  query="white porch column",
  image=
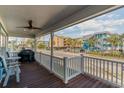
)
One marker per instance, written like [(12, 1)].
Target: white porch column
[(51, 57), (35, 45), (7, 38)]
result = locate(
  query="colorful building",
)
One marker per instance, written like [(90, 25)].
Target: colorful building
[(101, 41), (60, 42)]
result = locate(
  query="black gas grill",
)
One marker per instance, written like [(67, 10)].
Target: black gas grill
[(26, 55)]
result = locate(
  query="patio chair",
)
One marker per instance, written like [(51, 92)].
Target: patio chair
[(11, 54), (9, 70), (1, 71)]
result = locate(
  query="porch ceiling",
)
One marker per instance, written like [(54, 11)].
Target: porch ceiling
[(47, 17)]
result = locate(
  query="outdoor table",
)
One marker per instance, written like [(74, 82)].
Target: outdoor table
[(13, 58)]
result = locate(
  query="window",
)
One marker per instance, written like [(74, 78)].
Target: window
[(3, 37), (17, 43)]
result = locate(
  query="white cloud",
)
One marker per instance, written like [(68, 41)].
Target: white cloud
[(94, 25), (110, 29), (107, 22), (112, 22), (86, 33), (91, 24), (109, 15)]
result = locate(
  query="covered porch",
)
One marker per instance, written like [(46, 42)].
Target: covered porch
[(52, 71), (36, 76)]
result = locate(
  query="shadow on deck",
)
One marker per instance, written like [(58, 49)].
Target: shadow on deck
[(35, 76)]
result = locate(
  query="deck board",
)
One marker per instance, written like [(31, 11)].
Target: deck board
[(35, 76)]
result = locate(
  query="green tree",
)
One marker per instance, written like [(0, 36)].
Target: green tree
[(80, 42), (69, 42), (114, 40), (74, 43), (92, 41), (121, 41), (30, 42), (41, 45), (77, 43)]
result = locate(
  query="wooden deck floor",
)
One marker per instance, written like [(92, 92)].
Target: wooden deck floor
[(35, 76)]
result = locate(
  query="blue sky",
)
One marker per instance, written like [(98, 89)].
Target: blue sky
[(112, 22)]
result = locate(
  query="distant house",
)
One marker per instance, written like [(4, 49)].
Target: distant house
[(101, 44), (58, 42), (61, 42)]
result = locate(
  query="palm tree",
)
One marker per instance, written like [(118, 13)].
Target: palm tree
[(69, 42), (121, 41), (92, 42), (74, 43), (79, 43), (114, 40)]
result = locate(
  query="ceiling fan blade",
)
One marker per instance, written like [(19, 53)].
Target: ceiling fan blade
[(30, 26), (36, 28), (23, 27)]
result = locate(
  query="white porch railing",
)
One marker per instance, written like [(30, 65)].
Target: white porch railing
[(58, 67), (108, 70), (43, 59), (67, 68), (73, 67), (64, 68)]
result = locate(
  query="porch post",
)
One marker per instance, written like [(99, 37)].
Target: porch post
[(82, 64), (7, 42), (35, 44), (51, 57), (65, 70)]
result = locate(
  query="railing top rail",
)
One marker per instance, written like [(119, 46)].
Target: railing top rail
[(50, 55), (73, 57), (97, 58), (58, 57), (109, 60)]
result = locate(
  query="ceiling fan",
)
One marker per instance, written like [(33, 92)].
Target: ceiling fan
[(30, 26)]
